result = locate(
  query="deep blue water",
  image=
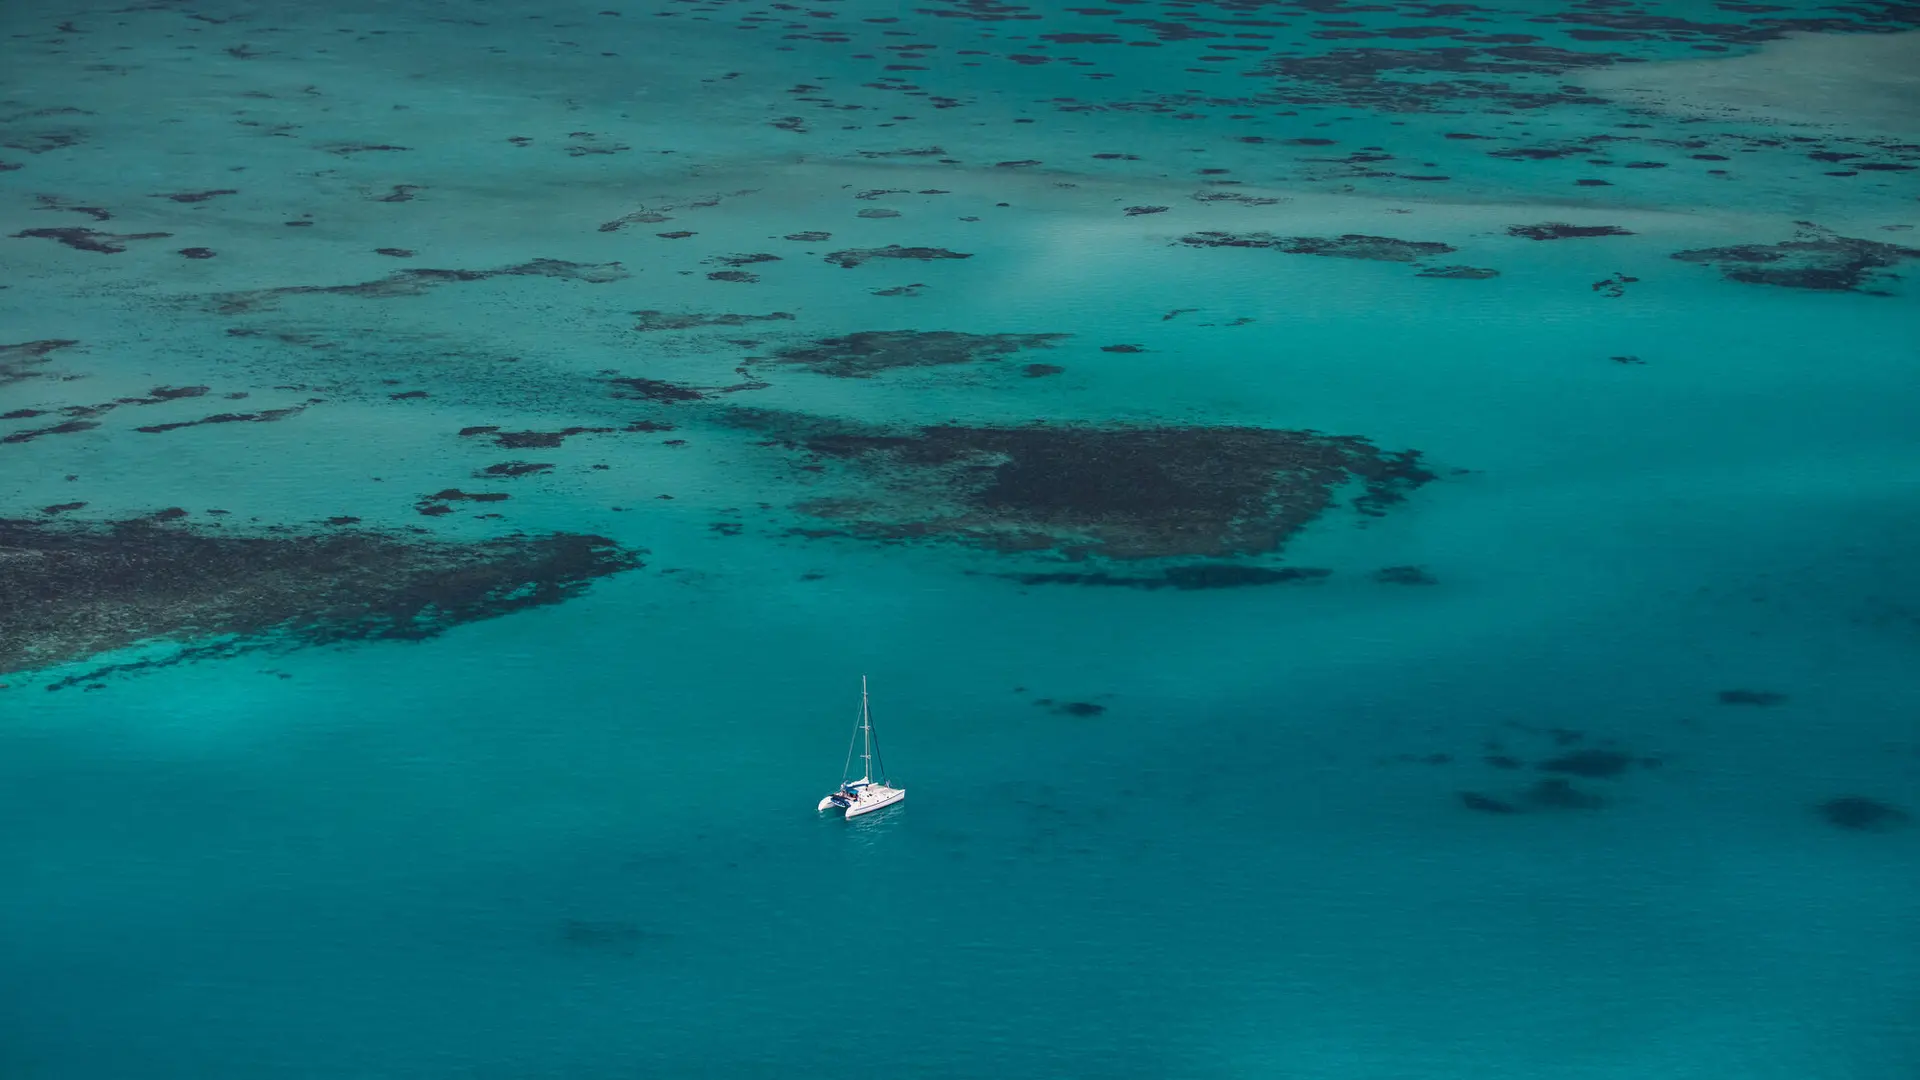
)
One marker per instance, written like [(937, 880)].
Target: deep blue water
[(1337, 825)]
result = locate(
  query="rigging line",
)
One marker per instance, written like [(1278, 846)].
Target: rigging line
[(847, 769)]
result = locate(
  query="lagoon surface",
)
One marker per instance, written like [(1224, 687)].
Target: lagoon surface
[(1381, 534)]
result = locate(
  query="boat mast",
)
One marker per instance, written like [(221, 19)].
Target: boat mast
[(873, 741), (866, 729)]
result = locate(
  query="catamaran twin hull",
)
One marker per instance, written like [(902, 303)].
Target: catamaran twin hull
[(871, 791), (865, 801)]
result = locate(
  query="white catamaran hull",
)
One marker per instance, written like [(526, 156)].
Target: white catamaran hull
[(870, 800), (871, 792)]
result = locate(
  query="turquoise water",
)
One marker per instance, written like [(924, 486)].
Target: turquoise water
[(1286, 829)]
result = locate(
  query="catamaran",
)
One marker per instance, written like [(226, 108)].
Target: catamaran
[(871, 791)]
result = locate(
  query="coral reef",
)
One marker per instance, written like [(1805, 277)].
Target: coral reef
[(1814, 259), (1082, 490), (69, 590), (867, 353)]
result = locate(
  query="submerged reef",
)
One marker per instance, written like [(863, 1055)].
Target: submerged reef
[(82, 239), (18, 362), (416, 281), (1560, 230), (1862, 814), (651, 320), (1512, 71), (1572, 755), (1814, 259), (1081, 490), (1345, 246), (853, 257), (869, 352), (69, 590), (1459, 273)]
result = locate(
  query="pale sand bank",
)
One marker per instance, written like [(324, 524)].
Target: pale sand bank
[(1860, 84)]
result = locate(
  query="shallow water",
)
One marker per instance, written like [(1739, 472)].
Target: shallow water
[(1152, 831)]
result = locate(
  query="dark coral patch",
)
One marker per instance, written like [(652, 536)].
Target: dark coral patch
[(657, 390), (1536, 153), (80, 239), (1560, 230), (1070, 708), (643, 217), (1614, 287), (266, 416), (161, 394), (197, 196), (1348, 246), (1862, 814), (1371, 78), (18, 362), (69, 591), (514, 468), (852, 257), (418, 281), (436, 504), (66, 428), (530, 440), (1486, 804), (870, 352), (660, 320), (1815, 259), (1082, 490), (55, 202)]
